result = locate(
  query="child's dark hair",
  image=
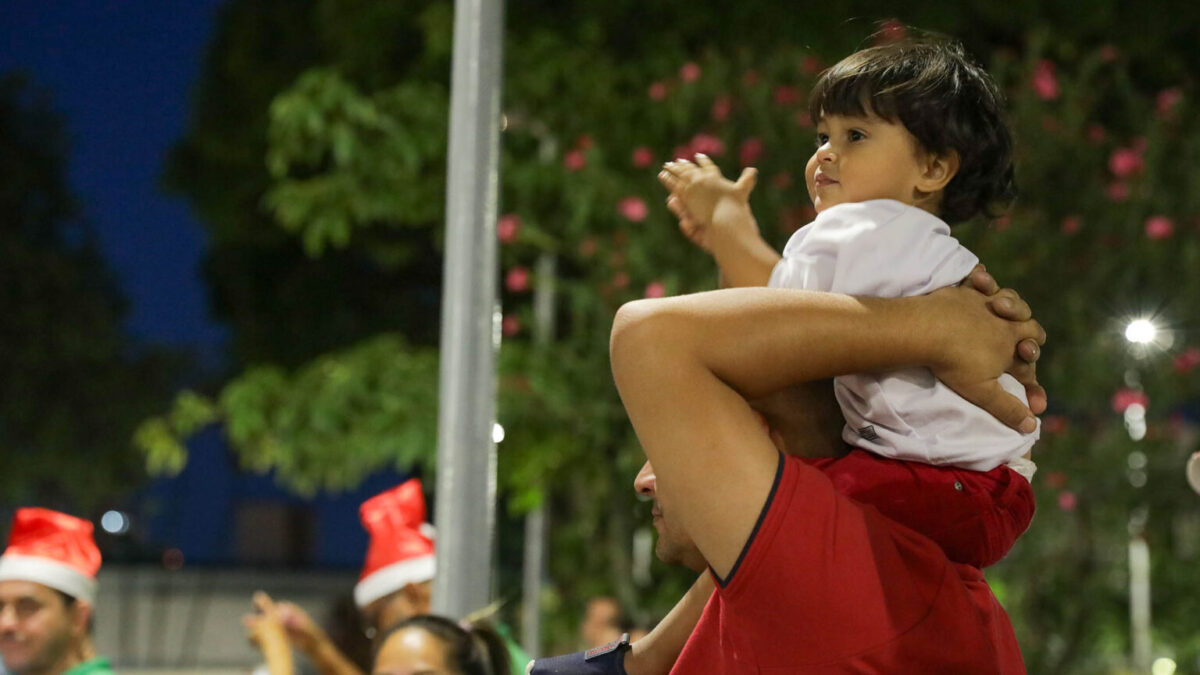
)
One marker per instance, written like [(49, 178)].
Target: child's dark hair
[(944, 99), (470, 649)]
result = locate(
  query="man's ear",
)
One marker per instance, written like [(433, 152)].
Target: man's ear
[(938, 169), (81, 617)]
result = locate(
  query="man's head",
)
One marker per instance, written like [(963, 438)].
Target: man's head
[(802, 420), (413, 599), (42, 630), (397, 576), (915, 121), (47, 587), (602, 621)]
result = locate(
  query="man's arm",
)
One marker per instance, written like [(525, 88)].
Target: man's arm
[(314, 642), (685, 366)]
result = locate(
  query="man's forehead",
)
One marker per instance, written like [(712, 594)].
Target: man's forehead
[(16, 589)]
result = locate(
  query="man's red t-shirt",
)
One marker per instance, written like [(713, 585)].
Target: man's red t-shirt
[(828, 585)]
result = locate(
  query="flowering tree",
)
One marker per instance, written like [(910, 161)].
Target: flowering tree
[(1104, 229)]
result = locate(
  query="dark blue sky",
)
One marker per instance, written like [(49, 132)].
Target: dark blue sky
[(120, 72)]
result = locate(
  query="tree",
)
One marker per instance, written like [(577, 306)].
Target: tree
[(350, 151), (73, 385)]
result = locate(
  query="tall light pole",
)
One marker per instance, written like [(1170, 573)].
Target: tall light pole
[(466, 468)]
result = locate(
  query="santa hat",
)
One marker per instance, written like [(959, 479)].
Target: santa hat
[(401, 547), (52, 549)]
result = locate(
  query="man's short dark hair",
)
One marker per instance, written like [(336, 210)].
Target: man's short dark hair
[(944, 99)]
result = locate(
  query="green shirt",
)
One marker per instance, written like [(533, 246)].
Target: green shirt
[(96, 666)]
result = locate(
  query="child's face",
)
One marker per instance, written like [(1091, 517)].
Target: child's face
[(861, 158)]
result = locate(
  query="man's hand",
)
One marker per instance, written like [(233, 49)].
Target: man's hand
[(1010, 306), (302, 631), (977, 333), (705, 201), (265, 631)]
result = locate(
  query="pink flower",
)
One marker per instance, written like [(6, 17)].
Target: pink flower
[(655, 289), (891, 31), (689, 72), (750, 78), (620, 280), (811, 65), (575, 160), (508, 227), (584, 142), (1187, 360), (1096, 134), (1159, 227), (1070, 225), (804, 120), (657, 91), (517, 280), (587, 247), (785, 95), (1167, 100), (1125, 397), (642, 157), (1067, 500), (683, 152), (782, 180), (750, 151), (633, 209), (510, 325), (707, 144), (1055, 479), (1125, 162), (1054, 425), (721, 108), (1117, 191), (1044, 81)]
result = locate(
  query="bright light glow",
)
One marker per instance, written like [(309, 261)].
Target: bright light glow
[(497, 432), (1141, 331), (1163, 666), (114, 522)]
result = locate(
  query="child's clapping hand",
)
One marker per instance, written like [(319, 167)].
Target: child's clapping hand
[(705, 201)]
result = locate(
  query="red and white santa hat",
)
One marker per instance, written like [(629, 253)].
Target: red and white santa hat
[(52, 549), (401, 547)]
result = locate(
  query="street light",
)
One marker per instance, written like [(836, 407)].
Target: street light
[(1141, 331)]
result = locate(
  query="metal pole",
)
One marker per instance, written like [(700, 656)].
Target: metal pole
[(1139, 602), (534, 564), (466, 481)]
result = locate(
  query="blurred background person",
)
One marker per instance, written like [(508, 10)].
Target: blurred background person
[(435, 644), (47, 592)]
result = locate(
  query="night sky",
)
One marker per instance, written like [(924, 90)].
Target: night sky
[(120, 73)]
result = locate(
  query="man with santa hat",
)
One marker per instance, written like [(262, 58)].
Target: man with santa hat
[(47, 593), (396, 581)]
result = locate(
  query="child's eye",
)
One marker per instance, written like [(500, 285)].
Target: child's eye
[(822, 139), (856, 135)]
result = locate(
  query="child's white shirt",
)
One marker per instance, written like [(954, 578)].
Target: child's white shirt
[(887, 249)]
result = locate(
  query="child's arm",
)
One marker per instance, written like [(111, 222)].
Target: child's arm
[(656, 653), (714, 214)]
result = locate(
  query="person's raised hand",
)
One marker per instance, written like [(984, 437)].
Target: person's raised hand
[(301, 630), (704, 200), (264, 628)]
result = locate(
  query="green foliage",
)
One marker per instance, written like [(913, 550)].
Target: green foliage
[(353, 150), (72, 384)]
